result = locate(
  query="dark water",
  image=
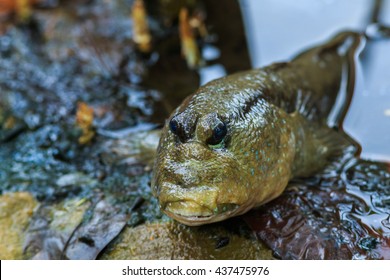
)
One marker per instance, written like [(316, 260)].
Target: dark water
[(343, 213)]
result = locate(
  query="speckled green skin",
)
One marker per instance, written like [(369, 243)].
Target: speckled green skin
[(276, 129)]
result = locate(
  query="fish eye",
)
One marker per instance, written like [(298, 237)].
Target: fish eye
[(219, 133), (173, 125)]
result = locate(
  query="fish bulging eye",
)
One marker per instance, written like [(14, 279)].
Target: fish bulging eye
[(219, 133), (173, 125), (183, 126)]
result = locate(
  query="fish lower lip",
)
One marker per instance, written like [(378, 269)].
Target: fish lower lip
[(189, 218), (193, 210), (187, 209)]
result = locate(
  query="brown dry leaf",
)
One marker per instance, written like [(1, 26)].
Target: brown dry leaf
[(7, 6), (94, 234), (189, 48), (141, 32), (84, 120), (22, 8)]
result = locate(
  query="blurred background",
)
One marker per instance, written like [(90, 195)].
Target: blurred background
[(277, 30)]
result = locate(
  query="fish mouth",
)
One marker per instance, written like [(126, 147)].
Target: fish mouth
[(193, 214)]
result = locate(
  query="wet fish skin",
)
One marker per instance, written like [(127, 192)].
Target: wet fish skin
[(237, 141)]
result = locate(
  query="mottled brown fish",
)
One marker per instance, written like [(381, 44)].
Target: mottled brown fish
[(236, 142)]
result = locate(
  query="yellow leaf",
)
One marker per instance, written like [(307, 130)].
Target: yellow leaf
[(189, 46), (22, 8), (84, 120), (141, 32)]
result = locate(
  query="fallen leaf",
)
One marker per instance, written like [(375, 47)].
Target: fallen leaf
[(141, 32), (22, 8), (189, 47), (94, 235), (84, 120)]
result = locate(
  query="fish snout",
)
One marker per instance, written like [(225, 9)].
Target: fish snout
[(193, 206), (193, 150), (187, 166)]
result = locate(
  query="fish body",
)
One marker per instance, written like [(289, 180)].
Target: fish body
[(237, 141)]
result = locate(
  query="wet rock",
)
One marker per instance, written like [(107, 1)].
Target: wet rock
[(16, 210), (76, 178), (171, 240), (135, 148)]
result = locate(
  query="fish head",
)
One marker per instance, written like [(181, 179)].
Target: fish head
[(212, 164)]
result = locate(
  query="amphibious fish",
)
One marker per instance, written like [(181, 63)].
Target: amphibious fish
[(237, 141)]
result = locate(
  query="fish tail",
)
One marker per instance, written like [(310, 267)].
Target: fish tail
[(351, 46), (330, 70)]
